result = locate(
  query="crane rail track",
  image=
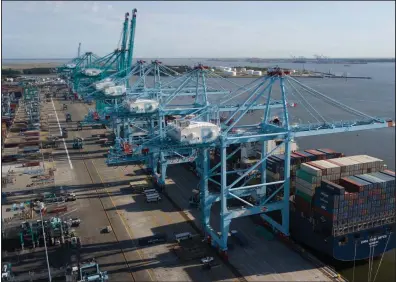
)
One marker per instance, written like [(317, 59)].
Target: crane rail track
[(104, 209)]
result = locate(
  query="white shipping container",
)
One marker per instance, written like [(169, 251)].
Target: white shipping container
[(311, 170), (328, 168), (364, 162), (355, 164), (259, 73), (335, 169), (344, 164), (377, 162), (249, 71)]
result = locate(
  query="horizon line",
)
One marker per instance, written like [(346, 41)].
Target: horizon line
[(211, 58)]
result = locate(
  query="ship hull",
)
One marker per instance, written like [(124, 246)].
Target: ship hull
[(302, 231)]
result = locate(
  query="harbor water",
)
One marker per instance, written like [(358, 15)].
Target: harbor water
[(374, 97)]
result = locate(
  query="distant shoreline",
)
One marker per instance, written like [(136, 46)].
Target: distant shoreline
[(23, 65)]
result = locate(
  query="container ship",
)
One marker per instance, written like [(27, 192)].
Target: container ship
[(343, 207)]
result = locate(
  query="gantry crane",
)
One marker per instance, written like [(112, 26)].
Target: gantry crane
[(158, 109), (234, 132), (198, 130), (69, 69), (119, 61), (111, 94)]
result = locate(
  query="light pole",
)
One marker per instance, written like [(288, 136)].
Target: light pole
[(45, 246)]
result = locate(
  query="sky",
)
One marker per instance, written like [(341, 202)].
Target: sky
[(53, 29)]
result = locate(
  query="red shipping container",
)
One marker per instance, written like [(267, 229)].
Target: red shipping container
[(323, 213), (31, 164), (388, 172), (351, 185), (319, 155), (32, 133)]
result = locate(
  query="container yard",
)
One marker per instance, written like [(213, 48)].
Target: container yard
[(122, 171)]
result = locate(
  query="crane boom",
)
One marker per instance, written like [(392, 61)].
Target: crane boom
[(131, 39), (124, 42)]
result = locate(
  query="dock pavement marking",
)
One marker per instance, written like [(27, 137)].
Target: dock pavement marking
[(127, 228), (60, 131)]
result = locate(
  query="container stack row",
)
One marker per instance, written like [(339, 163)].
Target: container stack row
[(276, 163), (358, 202), (310, 174)]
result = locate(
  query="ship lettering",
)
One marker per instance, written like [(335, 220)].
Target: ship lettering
[(324, 200), (364, 242)]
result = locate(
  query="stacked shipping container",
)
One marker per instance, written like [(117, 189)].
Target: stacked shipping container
[(311, 174), (359, 202), (275, 165)]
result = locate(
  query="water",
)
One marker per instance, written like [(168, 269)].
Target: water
[(375, 97)]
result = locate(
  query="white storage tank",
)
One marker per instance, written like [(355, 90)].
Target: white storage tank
[(234, 69), (227, 69), (143, 106), (115, 90), (193, 132), (250, 71), (229, 73), (92, 72), (257, 73)]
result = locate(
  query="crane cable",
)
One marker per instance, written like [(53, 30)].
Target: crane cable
[(383, 253), (119, 40), (371, 262), (305, 102), (354, 264), (332, 101), (368, 274)]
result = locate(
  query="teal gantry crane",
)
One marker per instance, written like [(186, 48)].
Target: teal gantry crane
[(241, 128)]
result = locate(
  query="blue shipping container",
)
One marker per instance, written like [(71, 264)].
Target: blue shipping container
[(377, 183), (390, 181)]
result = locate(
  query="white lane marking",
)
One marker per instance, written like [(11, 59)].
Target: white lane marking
[(60, 131)]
